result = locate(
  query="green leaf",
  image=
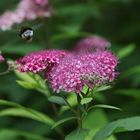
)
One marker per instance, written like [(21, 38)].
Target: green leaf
[(62, 121), (57, 99), (79, 134), (104, 106), (25, 76), (27, 85), (31, 78), (86, 100), (32, 81), (22, 111), (39, 80), (10, 134), (95, 125), (8, 103), (101, 88), (124, 52), (122, 125), (28, 113), (85, 89)]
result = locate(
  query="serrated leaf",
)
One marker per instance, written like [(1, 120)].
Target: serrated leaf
[(104, 106), (86, 100), (57, 100), (79, 134), (62, 121), (122, 125)]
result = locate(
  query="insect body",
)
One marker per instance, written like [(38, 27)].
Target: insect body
[(26, 33)]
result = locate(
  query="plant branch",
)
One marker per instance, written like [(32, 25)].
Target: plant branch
[(71, 108)]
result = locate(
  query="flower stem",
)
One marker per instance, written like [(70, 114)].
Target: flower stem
[(79, 116), (69, 105), (76, 112)]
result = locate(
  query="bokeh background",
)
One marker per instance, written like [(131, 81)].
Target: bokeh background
[(116, 20)]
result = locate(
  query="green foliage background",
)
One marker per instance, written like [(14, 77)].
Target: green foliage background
[(116, 20)]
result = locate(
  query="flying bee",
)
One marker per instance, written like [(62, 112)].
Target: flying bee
[(26, 33)]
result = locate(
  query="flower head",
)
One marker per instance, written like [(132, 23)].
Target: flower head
[(73, 72), (92, 44), (66, 75), (26, 10), (39, 61)]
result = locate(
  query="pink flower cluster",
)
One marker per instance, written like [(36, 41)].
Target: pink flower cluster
[(70, 71), (26, 10), (92, 44), (1, 58), (73, 72), (39, 61)]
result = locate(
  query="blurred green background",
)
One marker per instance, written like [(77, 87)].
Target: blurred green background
[(116, 20)]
